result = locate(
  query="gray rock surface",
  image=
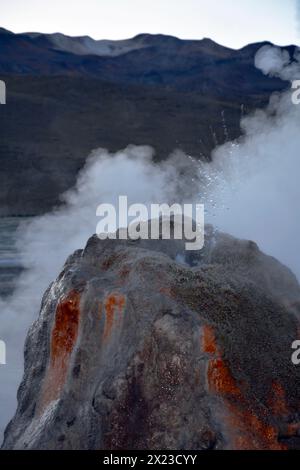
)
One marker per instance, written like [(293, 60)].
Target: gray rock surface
[(139, 346)]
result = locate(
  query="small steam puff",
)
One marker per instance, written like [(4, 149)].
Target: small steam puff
[(272, 60), (250, 190), (277, 62)]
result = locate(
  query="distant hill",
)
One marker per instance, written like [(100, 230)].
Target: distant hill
[(67, 96)]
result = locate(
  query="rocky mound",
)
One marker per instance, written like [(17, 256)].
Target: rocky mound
[(138, 346)]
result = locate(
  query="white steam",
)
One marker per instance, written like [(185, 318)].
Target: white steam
[(255, 189), (277, 62), (251, 189), (272, 60)]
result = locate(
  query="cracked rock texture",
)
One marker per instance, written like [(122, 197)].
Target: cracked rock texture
[(142, 345)]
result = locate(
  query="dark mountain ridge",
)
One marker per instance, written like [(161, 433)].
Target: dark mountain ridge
[(68, 96)]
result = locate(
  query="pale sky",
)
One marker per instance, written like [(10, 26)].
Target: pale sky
[(233, 23)]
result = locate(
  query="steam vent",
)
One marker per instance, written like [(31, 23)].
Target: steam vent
[(143, 345)]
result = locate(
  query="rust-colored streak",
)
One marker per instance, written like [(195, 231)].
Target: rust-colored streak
[(220, 379), (293, 429), (166, 291), (209, 344), (65, 330), (245, 430), (277, 401), (63, 340), (249, 432), (114, 305)]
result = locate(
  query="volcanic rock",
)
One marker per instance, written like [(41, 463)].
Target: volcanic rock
[(142, 345)]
